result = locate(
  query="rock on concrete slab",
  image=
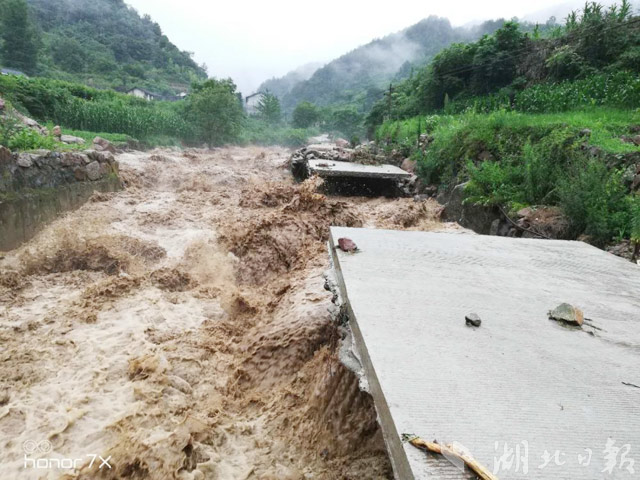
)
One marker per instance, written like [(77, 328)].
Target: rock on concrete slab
[(473, 320), (517, 378), (567, 313)]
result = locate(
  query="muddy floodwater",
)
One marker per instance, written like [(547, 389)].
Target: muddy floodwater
[(180, 329)]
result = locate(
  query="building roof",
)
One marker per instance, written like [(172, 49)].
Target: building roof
[(146, 92), (253, 95), (521, 390)]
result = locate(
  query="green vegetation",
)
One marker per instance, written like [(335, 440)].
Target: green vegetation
[(531, 119), (593, 60), (269, 109), (211, 114), (358, 78), (18, 38), (305, 115), (214, 112), (83, 108), (258, 132), (574, 160), (102, 43)]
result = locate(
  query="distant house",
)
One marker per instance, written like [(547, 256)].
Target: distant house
[(251, 103), (11, 71), (142, 93)]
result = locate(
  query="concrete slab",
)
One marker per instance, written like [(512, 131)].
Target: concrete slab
[(527, 396), (331, 168)]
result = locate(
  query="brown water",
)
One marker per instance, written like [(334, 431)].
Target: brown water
[(181, 327)]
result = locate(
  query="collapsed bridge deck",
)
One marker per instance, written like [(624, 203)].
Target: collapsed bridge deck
[(329, 168), (527, 396)]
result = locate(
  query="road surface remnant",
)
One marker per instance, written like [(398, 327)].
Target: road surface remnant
[(518, 384)]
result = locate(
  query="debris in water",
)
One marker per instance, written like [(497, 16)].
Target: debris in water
[(473, 320), (347, 245), (450, 451), (568, 314)]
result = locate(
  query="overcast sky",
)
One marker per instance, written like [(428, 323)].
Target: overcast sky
[(251, 41)]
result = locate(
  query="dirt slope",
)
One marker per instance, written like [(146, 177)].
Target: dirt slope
[(181, 327)]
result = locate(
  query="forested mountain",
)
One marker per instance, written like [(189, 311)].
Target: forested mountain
[(370, 67), (102, 43), (359, 76)]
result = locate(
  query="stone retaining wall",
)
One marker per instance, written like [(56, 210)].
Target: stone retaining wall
[(36, 187)]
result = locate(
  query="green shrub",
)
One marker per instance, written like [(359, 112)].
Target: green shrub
[(27, 139), (595, 200)]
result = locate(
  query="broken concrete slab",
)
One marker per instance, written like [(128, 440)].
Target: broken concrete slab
[(330, 168), (520, 388)]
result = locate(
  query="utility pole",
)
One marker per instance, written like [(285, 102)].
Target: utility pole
[(390, 101)]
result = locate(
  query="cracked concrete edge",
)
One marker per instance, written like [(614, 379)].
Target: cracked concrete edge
[(349, 350)]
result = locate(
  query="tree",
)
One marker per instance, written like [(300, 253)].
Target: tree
[(346, 120), (214, 112), (19, 38), (305, 115), (269, 108), (69, 55)]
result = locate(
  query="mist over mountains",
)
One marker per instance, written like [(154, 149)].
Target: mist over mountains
[(362, 74)]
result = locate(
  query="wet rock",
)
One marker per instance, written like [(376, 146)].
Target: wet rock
[(347, 245), (476, 217), (568, 314), (71, 140), (635, 139), (100, 156), (93, 170), (408, 165), (57, 131), (473, 320), (6, 157), (73, 158), (342, 143), (548, 221), (80, 173), (486, 156), (29, 122), (102, 145), (25, 160), (424, 140), (624, 249)]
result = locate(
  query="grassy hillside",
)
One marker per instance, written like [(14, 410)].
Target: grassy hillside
[(101, 43), (531, 120)]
